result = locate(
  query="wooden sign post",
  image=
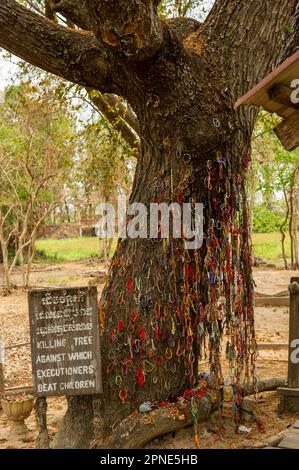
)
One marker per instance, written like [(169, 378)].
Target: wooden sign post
[(65, 342), (65, 347), (290, 395)]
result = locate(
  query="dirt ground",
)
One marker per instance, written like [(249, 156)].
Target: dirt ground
[(271, 327)]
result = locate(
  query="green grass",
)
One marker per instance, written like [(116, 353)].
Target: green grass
[(69, 249), (54, 280), (268, 246)]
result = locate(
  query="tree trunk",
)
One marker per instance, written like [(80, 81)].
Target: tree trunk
[(291, 227), (22, 265), (30, 258), (67, 210), (76, 431), (5, 261), (295, 220), (283, 236), (163, 304), (163, 301)]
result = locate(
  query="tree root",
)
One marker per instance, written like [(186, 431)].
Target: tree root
[(266, 385), (138, 429)]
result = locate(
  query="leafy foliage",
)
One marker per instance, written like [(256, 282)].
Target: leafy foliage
[(36, 155), (273, 167), (266, 221), (274, 185)]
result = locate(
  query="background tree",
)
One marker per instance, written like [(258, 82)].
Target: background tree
[(275, 175), (36, 156), (104, 158), (104, 170), (182, 80)]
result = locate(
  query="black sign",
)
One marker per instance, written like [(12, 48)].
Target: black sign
[(65, 341)]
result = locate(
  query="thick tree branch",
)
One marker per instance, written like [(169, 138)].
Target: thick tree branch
[(76, 11), (133, 433), (240, 34), (132, 27), (124, 111), (183, 26), (73, 55), (123, 120)]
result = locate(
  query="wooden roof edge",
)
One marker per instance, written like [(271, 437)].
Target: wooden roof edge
[(267, 80)]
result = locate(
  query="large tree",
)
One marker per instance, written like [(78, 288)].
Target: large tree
[(163, 303)]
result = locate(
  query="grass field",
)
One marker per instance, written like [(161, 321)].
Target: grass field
[(266, 245), (69, 249)]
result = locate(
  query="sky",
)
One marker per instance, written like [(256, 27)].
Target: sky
[(8, 68), (7, 71)]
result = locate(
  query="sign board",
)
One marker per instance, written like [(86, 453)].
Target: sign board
[(65, 341)]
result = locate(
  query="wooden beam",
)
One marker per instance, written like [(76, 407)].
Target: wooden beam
[(286, 71), (288, 132), (290, 392), (282, 94), (273, 301), (16, 390)]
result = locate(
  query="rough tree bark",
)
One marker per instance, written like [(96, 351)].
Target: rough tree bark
[(76, 430), (121, 117), (161, 302)]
